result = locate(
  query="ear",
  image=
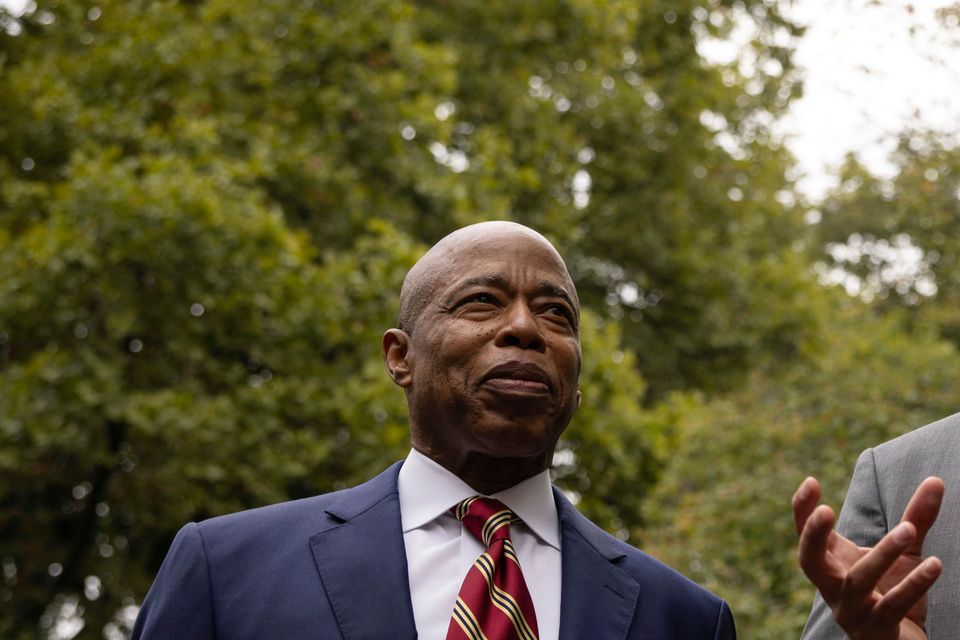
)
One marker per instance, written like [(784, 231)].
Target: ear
[(396, 355)]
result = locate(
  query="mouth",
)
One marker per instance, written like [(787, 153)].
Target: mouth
[(518, 377)]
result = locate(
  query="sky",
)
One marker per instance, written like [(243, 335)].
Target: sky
[(871, 69)]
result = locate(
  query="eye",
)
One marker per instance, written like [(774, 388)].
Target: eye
[(560, 310), (482, 298), (478, 299)]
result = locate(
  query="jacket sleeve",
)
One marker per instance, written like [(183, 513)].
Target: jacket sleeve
[(180, 602), (861, 520), (726, 630)]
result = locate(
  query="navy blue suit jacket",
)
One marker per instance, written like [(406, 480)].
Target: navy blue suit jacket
[(334, 566)]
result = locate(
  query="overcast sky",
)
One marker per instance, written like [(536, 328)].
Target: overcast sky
[(872, 70)]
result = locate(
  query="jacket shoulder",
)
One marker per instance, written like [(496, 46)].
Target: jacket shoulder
[(929, 450), (945, 432), (670, 583), (639, 565), (668, 601), (306, 515)]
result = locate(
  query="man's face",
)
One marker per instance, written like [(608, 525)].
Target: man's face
[(494, 357)]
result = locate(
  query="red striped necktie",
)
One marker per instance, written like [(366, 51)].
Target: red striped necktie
[(493, 603)]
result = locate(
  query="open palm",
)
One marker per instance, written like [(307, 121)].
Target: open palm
[(876, 593)]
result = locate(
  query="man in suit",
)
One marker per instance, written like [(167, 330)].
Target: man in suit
[(871, 575), (487, 351)]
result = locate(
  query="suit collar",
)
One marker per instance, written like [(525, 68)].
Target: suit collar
[(597, 598), (354, 501), (362, 562), (591, 534)]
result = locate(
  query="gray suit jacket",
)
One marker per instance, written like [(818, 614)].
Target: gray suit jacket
[(883, 482)]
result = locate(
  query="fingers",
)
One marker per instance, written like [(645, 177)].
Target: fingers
[(858, 603), (804, 501), (897, 602), (923, 509), (870, 590), (812, 551), (863, 577), (901, 598)]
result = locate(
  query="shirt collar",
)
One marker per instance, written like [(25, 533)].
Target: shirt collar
[(427, 491)]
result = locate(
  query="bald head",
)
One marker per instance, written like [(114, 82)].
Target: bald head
[(439, 264)]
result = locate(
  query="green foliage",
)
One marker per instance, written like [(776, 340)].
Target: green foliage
[(869, 223), (721, 512), (614, 450), (207, 208), (173, 351), (597, 122)]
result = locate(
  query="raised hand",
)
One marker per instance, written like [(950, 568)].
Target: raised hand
[(875, 593)]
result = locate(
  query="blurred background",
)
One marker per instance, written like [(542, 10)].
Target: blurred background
[(207, 208)]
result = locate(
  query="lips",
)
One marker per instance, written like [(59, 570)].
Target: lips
[(518, 377)]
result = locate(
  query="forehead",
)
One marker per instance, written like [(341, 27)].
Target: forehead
[(507, 256)]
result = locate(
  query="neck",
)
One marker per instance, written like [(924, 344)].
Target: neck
[(487, 474)]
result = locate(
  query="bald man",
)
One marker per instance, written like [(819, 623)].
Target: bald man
[(466, 538)]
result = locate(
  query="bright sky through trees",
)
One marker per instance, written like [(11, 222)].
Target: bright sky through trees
[(871, 70)]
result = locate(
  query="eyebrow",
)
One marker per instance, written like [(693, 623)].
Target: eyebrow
[(556, 290), (499, 280)]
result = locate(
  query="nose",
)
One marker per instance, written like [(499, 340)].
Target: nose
[(520, 328)]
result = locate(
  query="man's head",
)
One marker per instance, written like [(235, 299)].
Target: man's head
[(488, 348)]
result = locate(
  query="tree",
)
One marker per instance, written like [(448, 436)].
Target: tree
[(599, 123), (174, 351), (721, 512), (207, 207), (167, 357), (898, 237)]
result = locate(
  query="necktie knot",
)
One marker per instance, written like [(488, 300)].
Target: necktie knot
[(487, 519)]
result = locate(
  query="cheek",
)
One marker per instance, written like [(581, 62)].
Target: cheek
[(454, 360), (570, 359)]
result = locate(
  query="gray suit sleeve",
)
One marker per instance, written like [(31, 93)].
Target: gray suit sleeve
[(862, 520)]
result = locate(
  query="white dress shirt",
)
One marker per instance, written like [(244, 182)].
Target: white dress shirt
[(440, 550)]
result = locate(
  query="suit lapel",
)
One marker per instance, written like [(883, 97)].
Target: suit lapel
[(363, 564), (597, 599)]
